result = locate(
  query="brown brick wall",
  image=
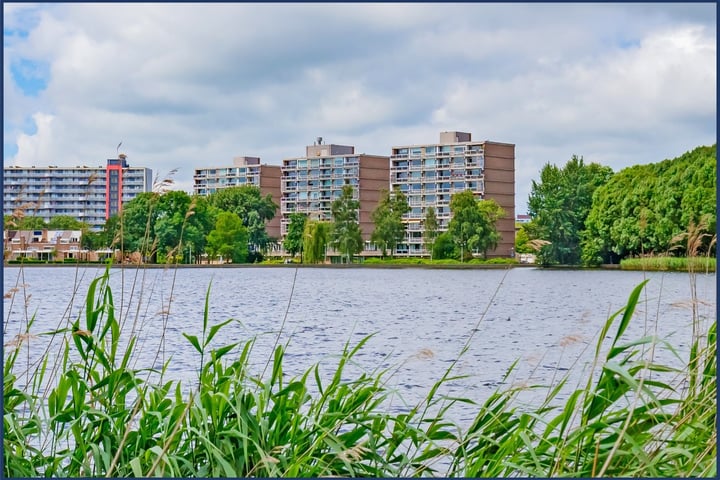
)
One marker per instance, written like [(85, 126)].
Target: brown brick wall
[(500, 186)]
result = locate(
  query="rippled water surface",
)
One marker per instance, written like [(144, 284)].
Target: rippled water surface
[(421, 319)]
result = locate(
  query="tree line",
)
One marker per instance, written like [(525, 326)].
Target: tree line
[(231, 223), (587, 214)]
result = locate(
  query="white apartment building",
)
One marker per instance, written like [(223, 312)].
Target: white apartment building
[(88, 194), (429, 174), (311, 183)]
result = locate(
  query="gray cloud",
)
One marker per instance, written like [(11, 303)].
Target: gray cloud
[(187, 85)]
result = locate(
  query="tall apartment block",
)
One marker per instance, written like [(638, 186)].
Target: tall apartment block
[(89, 194), (311, 183), (430, 174), (245, 171)]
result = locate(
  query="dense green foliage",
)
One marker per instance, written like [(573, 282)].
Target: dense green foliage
[(643, 208), (253, 209), (293, 241), (90, 411), (20, 221), (444, 247), (559, 204), (229, 239), (387, 217), (159, 226), (522, 239), (345, 236), (315, 240), (473, 226), (66, 222)]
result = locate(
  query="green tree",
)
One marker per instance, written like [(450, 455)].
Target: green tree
[(521, 239), (488, 240), (345, 236), (387, 217), (642, 208), (473, 226), (559, 204), (66, 222), (253, 209), (293, 242), (163, 225), (30, 223), (315, 240), (444, 247), (229, 238), (430, 226), (136, 227)]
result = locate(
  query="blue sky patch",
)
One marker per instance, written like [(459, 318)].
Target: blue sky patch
[(30, 76)]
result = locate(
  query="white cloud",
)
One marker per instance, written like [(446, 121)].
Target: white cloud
[(190, 85), (38, 148)]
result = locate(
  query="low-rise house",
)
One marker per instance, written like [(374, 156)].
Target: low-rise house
[(44, 245)]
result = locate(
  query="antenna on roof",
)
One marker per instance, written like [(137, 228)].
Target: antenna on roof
[(117, 150), (319, 140)]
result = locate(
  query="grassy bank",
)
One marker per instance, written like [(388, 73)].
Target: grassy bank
[(102, 415), (669, 264)]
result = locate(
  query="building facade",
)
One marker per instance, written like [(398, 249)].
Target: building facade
[(244, 171), (42, 244), (88, 194), (311, 183), (429, 174)]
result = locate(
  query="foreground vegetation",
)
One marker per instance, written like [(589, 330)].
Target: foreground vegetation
[(103, 416), (670, 264)]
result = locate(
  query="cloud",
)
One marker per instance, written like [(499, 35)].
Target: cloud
[(189, 85)]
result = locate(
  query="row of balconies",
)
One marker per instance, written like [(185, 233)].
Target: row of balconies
[(437, 166), (421, 154)]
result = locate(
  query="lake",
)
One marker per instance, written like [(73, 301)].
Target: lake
[(421, 319)]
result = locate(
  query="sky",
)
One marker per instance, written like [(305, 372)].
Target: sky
[(187, 86)]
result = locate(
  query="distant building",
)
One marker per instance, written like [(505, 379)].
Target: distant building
[(311, 183), (429, 174), (244, 171), (522, 219), (42, 244), (88, 194)]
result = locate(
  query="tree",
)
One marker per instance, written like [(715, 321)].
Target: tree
[(136, 228), (387, 217), (473, 224), (345, 236), (559, 205), (293, 242), (229, 238), (315, 240), (430, 226), (491, 212), (642, 208), (163, 225), (521, 239), (29, 223), (444, 247), (253, 209), (66, 222)]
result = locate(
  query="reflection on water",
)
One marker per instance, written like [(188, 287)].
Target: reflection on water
[(420, 319)]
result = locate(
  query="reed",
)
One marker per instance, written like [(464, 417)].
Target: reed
[(670, 264)]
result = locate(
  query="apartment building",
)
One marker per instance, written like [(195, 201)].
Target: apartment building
[(89, 194), (429, 174), (244, 171), (311, 183)]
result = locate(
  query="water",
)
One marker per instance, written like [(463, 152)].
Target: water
[(421, 319)]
